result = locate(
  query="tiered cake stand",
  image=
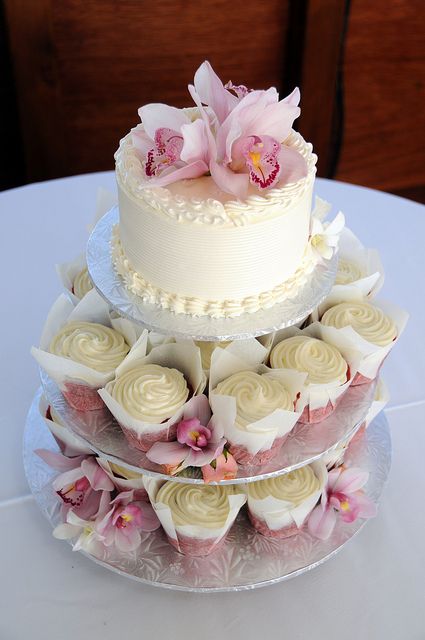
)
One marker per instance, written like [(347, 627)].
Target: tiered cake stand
[(247, 559)]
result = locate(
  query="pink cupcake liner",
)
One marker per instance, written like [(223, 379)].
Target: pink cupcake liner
[(196, 547), (244, 457), (260, 526), (312, 416), (82, 397), (145, 441)]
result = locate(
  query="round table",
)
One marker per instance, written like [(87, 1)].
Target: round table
[(373, 589)]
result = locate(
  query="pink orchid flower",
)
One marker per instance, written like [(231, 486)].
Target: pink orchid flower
[(172, 145), (247, 145), (197, 445), (122, 524), (224, 467), (342, 495), (81, 484)]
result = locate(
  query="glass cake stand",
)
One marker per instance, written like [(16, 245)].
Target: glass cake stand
[(247, 560), (101, 433), (111, 287)]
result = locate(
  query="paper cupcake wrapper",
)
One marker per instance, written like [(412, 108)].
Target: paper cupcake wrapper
[(282, 513), (236, 501), (261, 434), (183, 357), (66, 372), (251, 350), (381, 399), (67, 442), (371, 356), (68, 271)]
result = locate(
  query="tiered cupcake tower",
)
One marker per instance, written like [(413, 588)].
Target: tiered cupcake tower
[(276, 541)]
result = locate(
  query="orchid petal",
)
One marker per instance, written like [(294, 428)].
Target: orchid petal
[(141, 141), (66, 531), (293, 166), (350, 480), (193, 170), (321, 522), (58, 461), (155, 116), (150, 520), (366, 507), (293, 98), (212, 92), (195, 142), (97, 477), (129, 541), (234, 183), (198, 407), (170, 453)]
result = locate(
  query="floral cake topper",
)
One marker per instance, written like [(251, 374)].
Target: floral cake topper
[(235, 134)]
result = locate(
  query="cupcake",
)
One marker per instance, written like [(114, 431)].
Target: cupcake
[(326, 369), (124, 479), (348, 272), (279, 506), (69, 444), (264, 413), (150, 393), (196, 518), (82, 283), (94, 346), (369, 322), (207, 349)]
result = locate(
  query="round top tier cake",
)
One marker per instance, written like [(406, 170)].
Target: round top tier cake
[(215, 201)]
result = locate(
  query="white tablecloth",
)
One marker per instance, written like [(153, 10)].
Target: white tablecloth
[(374, 589)]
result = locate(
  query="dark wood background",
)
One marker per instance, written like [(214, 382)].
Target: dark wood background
[(74, 72)]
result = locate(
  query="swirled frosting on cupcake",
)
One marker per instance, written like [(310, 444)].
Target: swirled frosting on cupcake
[(256, 396), (151, 393), (91, 344), (82, 283), (206, 350), (321, 361), (367, 320), (348, 272), (196, 505), (294, 487)]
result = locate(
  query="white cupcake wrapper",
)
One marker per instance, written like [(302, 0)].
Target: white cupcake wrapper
[(68, 443), (281, 513), (251, 350), (92, 308), (261, 434), (317, 396), (68, 271), (236, 501), (183, 357), (371, 355), (122, 484), (381, 399)]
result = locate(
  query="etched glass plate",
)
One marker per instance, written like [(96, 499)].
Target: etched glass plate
[(306, 443), (111, 287), (247, 560)]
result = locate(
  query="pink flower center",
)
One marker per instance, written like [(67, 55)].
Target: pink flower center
[(74, 494), (261, 156), (165, 153)]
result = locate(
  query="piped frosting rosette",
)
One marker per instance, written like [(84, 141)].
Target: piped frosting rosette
[(195, 518), (279, 506), (69, 444), (255, 405), (149, 394), (371, 329), (329, 367), (359, 269), (74, 275), (81, 347)]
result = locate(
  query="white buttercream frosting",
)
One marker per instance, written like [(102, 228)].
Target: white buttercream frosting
[(322, 361), (150, 393), (82, 283), (194, 305), (91, 344), (348, 271), (127, 474), (293, 487), (367, 320), (196, 505), (256, 396)]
